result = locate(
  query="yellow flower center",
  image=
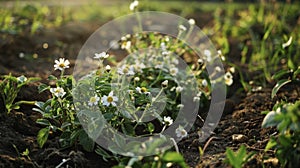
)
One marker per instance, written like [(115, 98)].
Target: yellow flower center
[(93, 99), (62, 65), (110, 99), (125, 70), (143, 89)]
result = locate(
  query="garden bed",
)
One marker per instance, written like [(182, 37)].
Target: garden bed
[(34, 55)]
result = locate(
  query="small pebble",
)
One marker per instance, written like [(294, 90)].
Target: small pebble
[(239, 138)]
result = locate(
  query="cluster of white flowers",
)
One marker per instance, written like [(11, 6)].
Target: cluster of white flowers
[(125, 42), (106, 100)]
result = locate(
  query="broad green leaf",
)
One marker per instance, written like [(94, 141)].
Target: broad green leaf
[(278, 86), (43, 136), (269, 120)]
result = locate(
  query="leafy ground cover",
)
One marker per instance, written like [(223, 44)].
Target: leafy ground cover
[(261, 116)]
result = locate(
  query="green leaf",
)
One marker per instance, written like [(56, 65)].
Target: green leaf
[(285, 141), (296, 73), (43, 87), (278, 86), (43, 122), (86, 142), (25, 153), (232, 158), (150, 127), (43, 136), (173, 157), (269, 120), (51, 77), (280, 74), (272, 142), (120, 140)]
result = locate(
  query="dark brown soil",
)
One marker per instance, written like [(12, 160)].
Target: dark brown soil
[(242, 114)]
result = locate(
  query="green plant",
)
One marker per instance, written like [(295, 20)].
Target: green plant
[(9, 89), (284, 77), (59, 114), (286, 117), (239, 158)]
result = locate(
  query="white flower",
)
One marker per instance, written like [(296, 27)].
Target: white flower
[(110, 99), (207, 53), (181, 132), (107, 68), (228, 78), (138, 67), (169, 164), (163, 46), (142, 90), (126, 45), (196, 98), (136, 79), (182, 28), (232, 69), (168, 120), (200, 61), (288, 43), (133, 5), (175, 61), (178, 89), (220, 54), (94, 100), (126, 70), (101, 56), (165, 83), (191, 21), (61, 64), (159, 65), (204, 82), (173, 71), (21, 55), (58, 92), (22, 79)]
